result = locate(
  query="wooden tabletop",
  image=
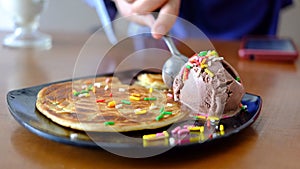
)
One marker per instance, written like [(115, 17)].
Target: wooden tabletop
[(271, 142)]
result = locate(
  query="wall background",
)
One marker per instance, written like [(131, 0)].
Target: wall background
[(76, 16)]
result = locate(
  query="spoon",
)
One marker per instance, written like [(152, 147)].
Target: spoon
[(172, 66)]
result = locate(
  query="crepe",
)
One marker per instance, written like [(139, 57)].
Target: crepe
[(104, 104)]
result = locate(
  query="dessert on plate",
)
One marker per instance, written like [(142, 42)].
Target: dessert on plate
[(207, 85)]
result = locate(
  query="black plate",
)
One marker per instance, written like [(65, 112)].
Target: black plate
[(21, 104)]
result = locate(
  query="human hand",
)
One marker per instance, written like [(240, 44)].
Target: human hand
[(139, 11)]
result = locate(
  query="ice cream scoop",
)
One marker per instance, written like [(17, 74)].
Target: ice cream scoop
[(173, 65), (209, 86)]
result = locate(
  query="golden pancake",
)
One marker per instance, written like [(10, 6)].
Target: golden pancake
[(104, 104), (151, 80)]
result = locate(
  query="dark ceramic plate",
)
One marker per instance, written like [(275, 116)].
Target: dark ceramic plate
[(21, 104)]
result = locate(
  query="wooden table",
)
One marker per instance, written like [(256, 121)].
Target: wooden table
[(271, 142)]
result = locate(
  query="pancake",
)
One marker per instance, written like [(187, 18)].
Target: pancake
[(104, 104), (151, 80)]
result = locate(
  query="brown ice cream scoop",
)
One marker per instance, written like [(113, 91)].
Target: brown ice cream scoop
[(209, 86)]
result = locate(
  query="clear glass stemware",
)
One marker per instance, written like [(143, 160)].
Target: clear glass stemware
[(26, 15)]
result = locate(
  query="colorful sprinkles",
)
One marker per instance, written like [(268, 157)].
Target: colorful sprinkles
[(150, 98), (202, 60), (162, 114), (109, 123), (84, 91), (126, 102), (140, 111), (100, 101), (243, 107), (111, 104), (156, 136), (134, 98), (106, 99)]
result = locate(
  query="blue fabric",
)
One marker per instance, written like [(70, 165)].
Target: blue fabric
[(111, 7), (224, 19), (231, 19)]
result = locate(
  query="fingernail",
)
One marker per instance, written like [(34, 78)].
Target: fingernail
[(159, 31)]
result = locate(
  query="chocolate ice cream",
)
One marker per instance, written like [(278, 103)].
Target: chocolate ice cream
[(209, 86)]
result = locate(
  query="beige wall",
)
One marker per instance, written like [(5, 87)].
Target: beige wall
[(76, 16), (290, 22), (69, 16)]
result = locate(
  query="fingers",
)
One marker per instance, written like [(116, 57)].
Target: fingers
[(125, 7), (146, 6), (139, 11), (168, 13), (166, 19), (130, 1), (146, 20)]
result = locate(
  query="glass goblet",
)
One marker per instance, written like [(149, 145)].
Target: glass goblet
[(26, 15)]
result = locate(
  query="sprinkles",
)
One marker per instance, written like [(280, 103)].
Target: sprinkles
[(134, 98), (169, 104), (209, 72), (107, 80), (202, 53), (159, 117), (140, 111), (98, 84), (109, 123), (75, 93), (126, 102), (152, 107), (150, 98), (142, 103), (156, 136), (118, 106), (162, 109), (84, 95), (111, 104), (202, 60), (100, 101), (188, 66), (150, 90), (162, 114), (135, 95), (121, 90), (243, 107), (170, 95), (81, 93)]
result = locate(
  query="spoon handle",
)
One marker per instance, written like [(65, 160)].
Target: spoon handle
[(173, 49), (169, 42)]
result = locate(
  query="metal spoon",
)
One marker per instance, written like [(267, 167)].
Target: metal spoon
[(172, 66)]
